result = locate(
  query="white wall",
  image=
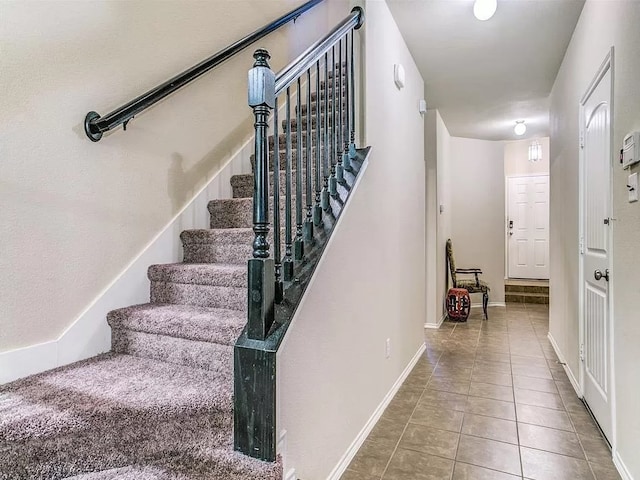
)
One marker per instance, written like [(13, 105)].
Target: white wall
[(476, 182), (516, 158), (370, 283), (75, 213), (602, 24)]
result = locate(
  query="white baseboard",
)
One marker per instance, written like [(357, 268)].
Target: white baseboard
[(436, 325), (622, 468), (89, 334), (344, 462), (490, 304), (574, 382)]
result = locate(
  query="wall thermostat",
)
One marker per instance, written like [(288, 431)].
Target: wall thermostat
[(398, 75), (630, 149), (422, 106)]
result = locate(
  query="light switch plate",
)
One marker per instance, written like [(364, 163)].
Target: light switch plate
[(632, 186)]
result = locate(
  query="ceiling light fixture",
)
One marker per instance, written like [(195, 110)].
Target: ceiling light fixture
[(520, 127), (535, 151), (484, 9)]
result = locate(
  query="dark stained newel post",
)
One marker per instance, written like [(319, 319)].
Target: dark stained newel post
[(261, 277)]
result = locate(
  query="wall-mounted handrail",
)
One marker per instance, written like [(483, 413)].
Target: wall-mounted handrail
[(95, 125)]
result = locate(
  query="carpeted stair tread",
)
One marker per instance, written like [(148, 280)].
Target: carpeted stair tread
[(200, 274), (238, 212), (190, 322), (215, 235), (119, 416), (242, 184)]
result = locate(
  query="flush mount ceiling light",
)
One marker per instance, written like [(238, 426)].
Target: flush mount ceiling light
[(520, 128), (484, 9)]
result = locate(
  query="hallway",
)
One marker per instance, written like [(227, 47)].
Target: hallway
[(455, 415)]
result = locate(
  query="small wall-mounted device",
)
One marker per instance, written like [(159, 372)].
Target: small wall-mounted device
[(422, 107), (398, 75), (630, 152)]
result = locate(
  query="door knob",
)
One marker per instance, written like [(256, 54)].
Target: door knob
[(598, 275)]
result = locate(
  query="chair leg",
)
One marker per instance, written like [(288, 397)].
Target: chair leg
[(485, 304)]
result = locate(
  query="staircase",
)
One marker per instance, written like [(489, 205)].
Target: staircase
[(160, 404), (526, 291)]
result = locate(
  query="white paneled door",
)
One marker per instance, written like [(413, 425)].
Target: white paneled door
[(595, 248), (528, 226)]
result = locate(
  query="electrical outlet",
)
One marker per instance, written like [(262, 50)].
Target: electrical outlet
[(387, 348)]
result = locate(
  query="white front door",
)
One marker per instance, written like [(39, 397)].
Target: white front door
[(596, 248), (528, 227)]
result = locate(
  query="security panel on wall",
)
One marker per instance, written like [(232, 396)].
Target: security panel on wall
[(630, 153)]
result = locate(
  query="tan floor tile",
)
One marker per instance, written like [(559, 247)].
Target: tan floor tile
[(430, 440), (605, 472), (437, 418), (491, 408), (491, 377), (538, 384), (446, 385), (540, 465), (351, 475), (464, 471), (533, 361), (538, 399), (371, 459), (497, 367), (596, 449), (545, 417), (550, 439), (488, 390), (490, 427), (444, 400), (532, 371), (386, 432), (494, 455), (412, 465)]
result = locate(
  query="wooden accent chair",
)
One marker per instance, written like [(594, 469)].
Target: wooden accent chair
[(474, 285)]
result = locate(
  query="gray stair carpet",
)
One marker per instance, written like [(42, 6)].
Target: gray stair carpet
[(160, 404)]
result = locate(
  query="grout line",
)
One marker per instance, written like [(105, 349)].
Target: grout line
[(515, 408)]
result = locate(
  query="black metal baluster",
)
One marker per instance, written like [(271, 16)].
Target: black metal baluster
[(308, 224), (299, 243), (288, 234), (333, 184), (261, 280), (339, 166), (346, 157), (327, 140), (317, 212), (279, 292), (352, 145)]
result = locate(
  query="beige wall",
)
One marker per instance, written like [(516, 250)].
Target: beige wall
[(516, 158), (602, 24), (478, 214), (75, 213), (370, 283)]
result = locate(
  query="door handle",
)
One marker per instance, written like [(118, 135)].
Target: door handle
[(598, 275)]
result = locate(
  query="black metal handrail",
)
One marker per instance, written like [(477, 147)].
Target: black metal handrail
[(95, 125)]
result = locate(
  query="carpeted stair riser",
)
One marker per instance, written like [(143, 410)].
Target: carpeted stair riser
[(238, 212), (235, 253), (283, 158), (314, 107), (199, 295), (179, 351), (181, 321), (314, 122), (242, 185)]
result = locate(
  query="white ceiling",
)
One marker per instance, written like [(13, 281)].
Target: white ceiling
[(483, 76)]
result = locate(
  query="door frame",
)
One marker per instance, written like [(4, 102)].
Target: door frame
[(607, 66), (506, 214)]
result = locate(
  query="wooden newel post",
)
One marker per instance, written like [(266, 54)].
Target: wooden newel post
[(262, 81)]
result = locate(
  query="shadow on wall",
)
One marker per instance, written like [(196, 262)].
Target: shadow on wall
[(182, 184)]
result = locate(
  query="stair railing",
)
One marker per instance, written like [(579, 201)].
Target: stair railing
[(320, 159), (95, 125)]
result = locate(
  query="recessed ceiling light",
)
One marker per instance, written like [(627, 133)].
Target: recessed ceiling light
[(484, 9), (520, 127)]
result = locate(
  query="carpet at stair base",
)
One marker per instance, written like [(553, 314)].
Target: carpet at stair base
[(122, 412)]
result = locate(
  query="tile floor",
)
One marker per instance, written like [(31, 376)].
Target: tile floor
[(487, 401)]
